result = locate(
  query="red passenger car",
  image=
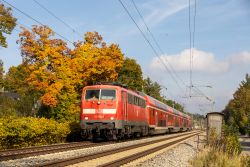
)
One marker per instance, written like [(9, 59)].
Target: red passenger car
[(112, 111), (165, 119)]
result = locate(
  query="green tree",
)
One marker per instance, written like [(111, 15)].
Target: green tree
[(131, 74), (173, 104), (15, 80), (7, 24), (238, 109), (7, 106), (152, 89)]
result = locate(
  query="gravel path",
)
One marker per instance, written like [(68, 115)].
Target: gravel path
[(32, 161), (178, 156)]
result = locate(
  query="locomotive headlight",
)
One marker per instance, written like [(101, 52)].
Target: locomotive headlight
[(112, 118), (86, 118)]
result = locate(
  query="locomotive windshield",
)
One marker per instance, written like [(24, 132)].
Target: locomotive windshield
[(92, 94), (105, 94)]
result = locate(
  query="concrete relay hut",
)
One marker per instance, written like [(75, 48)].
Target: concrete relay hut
[(214, 123)]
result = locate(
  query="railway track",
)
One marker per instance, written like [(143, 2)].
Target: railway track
[(41, 150), (133, 157), (12, 154), (127, 154)]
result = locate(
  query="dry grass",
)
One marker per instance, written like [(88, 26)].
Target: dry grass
[(212, 157)]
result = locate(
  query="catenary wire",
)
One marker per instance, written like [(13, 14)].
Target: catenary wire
[(167, 90), (155, 41), (190, 47), (35, 20), (59, 19), (193, 42), (151, 46)]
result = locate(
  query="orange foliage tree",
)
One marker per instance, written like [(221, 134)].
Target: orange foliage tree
[(59, 73), (94, 61)]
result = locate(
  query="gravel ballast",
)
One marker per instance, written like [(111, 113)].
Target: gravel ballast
[(178, 156), (32, 161)]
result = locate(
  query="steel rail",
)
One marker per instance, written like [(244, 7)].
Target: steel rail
[(41, 150), (133, 157), (78, 159)]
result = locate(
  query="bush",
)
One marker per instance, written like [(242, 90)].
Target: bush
[(230, 140), (222, 152), (29, 131), (75, 132)]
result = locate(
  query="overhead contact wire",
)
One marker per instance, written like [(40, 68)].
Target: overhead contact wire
[(52, 14), (35, 20), (151, 46), (155, 41)]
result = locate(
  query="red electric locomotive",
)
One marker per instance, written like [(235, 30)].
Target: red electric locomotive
[(112, 111)]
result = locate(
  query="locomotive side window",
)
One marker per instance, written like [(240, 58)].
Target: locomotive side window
[(130, 99), (136, 100), (92, 94), (108, 94), (142, 103)]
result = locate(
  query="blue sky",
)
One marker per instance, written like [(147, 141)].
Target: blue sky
[(221, 50)]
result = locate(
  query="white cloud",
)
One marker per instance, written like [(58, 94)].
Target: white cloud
[(241, 58), (203, 62)]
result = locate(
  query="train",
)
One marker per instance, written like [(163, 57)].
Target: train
[(112, 111)]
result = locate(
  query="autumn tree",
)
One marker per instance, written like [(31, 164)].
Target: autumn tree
[(48, 62), (95, 61), (131, 74), (7, 24), (58, 73), (238, 109)]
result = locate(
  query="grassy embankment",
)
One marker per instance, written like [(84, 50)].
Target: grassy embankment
[(225, 152)]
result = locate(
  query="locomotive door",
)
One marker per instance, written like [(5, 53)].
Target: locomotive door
[(124, 106)]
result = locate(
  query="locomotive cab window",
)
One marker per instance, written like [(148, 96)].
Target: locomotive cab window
[(107, 94), (92, 94), (103, 94)]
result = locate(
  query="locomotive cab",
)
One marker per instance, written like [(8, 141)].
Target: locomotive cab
[(98, 111), (112, 112)]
